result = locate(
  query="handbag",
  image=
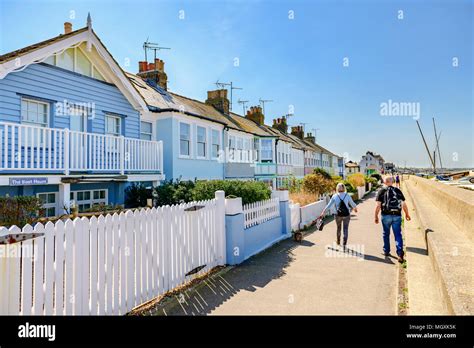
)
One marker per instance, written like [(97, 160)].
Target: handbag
[(319, 224)]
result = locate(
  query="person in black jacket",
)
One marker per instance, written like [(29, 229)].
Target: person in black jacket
[(391, 201)]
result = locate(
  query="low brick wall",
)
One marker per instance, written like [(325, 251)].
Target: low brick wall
[(457, 203)]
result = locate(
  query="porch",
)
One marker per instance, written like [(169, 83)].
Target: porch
[(33, 149)]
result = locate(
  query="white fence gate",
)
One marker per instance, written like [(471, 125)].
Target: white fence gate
[(258, 212), (110, 264)]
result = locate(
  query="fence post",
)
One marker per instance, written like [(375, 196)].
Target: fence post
[(234, 231), (66, 151), (122, 154), (284, 210), (221, 225)]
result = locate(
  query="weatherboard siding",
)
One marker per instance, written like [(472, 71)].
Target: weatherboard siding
[(54, 84)]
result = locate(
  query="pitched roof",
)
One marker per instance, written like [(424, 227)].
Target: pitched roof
[(283, 136), (249, 126), (351, 164), (21, 52), (300, 142), (8, 60), (160, 100)]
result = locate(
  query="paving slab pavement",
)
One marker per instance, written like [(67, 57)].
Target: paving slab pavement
[(314, 277)]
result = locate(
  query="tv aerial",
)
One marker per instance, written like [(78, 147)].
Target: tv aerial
[(262, 102), (244, 107), (223, 85)]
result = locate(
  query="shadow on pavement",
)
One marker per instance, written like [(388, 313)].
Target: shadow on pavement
[(254, 273)]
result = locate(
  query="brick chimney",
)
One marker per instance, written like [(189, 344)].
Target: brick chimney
[(298, 131), (310, 137), (67, 27), (255, 114), (218, 99), (147, 72), (280, 124)]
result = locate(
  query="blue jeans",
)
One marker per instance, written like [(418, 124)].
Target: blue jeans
[(394, 221)]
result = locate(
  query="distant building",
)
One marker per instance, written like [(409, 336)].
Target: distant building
[(388, 167), (372, 163), (352, 167)]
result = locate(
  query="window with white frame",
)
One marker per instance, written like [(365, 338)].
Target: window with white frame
[(184, 139), (239, 146), (86, 199), (266, 150), (34, 112), (256, 148), (146, 130), (201, 140), (232, 145), (113, 125), (215, 142), (49, 204), (247, 150), (78, 119)]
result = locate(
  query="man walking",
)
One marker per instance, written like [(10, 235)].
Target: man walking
[(391, 201)]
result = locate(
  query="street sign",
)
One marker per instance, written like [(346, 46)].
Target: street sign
[(28, 181)]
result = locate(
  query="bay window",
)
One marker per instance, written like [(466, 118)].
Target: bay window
[(266, 150)]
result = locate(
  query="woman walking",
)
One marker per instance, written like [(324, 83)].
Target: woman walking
[(343, 203)]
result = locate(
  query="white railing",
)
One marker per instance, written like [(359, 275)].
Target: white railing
[(265, 169), (110, 264), (259, 212), (284, 169), (32, 148)]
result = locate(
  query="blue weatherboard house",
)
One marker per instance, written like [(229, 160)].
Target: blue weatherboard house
[(202, 140), (73, 128)]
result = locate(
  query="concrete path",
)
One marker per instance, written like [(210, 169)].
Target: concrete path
[(314, 277)]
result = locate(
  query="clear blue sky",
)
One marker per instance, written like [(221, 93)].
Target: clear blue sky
[(298, 61)]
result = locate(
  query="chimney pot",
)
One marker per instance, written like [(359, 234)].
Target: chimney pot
[(160, 65), (142, 66), (67, 27)]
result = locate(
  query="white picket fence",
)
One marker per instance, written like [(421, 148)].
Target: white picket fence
[(110, 264), (259, 212)]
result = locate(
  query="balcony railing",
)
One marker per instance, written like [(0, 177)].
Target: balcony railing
[(32, 148)]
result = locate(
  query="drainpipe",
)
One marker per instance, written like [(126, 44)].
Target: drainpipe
[(224, 141)]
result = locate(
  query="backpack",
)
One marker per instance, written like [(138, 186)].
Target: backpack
[(342, 209), (391, 202)]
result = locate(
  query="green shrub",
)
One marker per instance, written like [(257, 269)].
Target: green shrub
[(317, 184), (356, 179), (136, 195), (174, 192), (249, 191), (322, 172), (349, 187), (19, 210), (376, 176)]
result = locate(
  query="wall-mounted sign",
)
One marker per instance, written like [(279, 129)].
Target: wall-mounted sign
[(28, 181)]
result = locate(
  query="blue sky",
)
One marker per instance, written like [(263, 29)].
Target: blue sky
[(298, 61)]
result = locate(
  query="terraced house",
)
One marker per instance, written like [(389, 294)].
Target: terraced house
[(73, 128)]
